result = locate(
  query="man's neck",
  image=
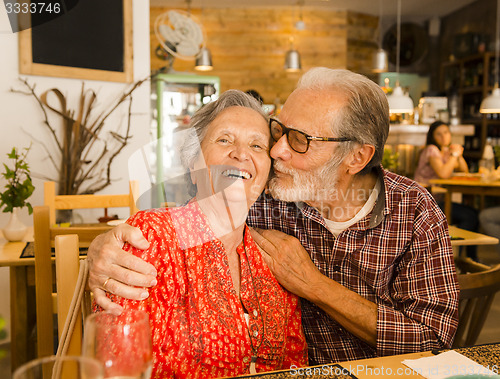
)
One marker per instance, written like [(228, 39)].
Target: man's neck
[(352, 192)]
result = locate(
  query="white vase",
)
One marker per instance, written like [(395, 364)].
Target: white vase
[(15, 229)]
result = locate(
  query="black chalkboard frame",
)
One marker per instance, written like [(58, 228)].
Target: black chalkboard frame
[(28, 67)]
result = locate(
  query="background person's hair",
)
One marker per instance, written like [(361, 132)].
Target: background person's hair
[(200, 121), (364, 118), (430, 133)]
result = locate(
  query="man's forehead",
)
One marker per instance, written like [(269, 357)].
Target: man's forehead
[(310, 111)]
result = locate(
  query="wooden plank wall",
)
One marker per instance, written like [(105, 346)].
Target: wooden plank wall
[(248, 45)]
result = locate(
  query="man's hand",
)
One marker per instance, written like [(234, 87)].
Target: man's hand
[(293, 268), (116, 271), (288, 261)]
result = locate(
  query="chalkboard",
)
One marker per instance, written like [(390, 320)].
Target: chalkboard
[(91, 41)]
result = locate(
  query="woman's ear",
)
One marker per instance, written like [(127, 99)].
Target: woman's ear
[(359, 158)]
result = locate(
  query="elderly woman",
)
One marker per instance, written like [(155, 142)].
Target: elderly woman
[(217, 310)]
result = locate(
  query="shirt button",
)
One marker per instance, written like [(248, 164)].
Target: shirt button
[(255, 334), (255, 313), (336, 268), (246, 359)]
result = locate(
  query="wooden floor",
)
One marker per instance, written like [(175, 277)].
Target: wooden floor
[(490, 333)]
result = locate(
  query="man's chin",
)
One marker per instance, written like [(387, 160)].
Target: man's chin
[(280, 192)]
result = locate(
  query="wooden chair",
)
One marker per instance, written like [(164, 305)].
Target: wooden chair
[(68, 274), (89, 201), (45, 232), (478, 286)]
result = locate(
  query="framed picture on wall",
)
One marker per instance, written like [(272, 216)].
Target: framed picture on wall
[(92, 40)]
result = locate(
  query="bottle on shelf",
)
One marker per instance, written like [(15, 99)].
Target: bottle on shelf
[(488, 158)]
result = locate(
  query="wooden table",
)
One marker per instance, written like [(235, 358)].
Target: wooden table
[(467, 184), (22, 273), (462, 237), (384, 367)]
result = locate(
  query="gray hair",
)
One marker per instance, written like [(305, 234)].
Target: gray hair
[(364, 118), (202, 119)]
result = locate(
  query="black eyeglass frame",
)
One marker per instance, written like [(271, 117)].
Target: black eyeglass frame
[(309, 138)]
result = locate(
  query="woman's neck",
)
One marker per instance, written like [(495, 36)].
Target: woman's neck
[(226, 219)]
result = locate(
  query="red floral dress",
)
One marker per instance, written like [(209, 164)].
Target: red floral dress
[(197, 320)]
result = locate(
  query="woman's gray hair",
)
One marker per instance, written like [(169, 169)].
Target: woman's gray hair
[(201, 120), (364, 118)]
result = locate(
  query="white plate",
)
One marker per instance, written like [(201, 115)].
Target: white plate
[(115, 222)]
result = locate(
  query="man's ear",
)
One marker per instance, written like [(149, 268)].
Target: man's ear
[(359, 158)]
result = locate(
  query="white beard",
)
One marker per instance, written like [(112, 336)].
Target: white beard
[(316, 185)]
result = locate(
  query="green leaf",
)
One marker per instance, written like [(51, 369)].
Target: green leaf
[(19, 186), (13, 154)]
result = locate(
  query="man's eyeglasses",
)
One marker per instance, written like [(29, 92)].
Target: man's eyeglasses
[(297, 140)]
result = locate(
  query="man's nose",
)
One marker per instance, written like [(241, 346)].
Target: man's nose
[(281, 149)]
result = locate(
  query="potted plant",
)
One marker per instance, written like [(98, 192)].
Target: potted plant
[(17, 191)]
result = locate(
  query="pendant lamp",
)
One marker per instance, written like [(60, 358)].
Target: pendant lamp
[(398, 101), (204, 60), (491, 104), (380, 61), (292, 59)]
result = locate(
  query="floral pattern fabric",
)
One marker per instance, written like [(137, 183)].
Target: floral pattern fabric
[(197, 319)]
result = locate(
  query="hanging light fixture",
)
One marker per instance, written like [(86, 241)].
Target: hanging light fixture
[(398, 101), (204, 60), (292, 59), (380, 61), (491, 104)]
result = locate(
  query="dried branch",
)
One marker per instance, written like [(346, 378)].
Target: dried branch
[(84, 156), (46, 118)]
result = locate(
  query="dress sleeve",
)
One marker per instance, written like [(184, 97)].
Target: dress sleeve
[(432, 151), (157, 228), (295, 346), (424, 290)]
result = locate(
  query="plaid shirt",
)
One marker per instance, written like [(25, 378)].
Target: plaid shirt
[(399, 256)]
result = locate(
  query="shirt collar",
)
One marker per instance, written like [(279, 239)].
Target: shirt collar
[(372, 220)]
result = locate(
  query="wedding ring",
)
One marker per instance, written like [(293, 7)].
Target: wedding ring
[(104, 284)]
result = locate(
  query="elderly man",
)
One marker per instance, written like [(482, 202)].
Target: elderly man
[(370, 254)]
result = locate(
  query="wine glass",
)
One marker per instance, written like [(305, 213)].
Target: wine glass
[(122, 343), (61, 367)]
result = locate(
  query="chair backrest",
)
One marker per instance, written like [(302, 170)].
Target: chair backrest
[(67, 275), (478, 286), (89, 201), (44, 240)]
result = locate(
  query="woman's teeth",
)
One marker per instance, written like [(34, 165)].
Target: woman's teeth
[(237, 174)]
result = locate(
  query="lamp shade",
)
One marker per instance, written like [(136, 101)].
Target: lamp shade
[(380, 61), (491, 104), (399, 102), (292, 61), (204, 60)]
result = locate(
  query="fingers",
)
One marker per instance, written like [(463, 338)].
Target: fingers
[(127, 233), (105, 303), (122, 272), (134, 293)]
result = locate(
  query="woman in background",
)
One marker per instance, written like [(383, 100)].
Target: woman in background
[(439, 160)]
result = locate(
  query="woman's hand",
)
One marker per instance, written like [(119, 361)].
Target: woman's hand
[(457, 149), (116, 271)]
